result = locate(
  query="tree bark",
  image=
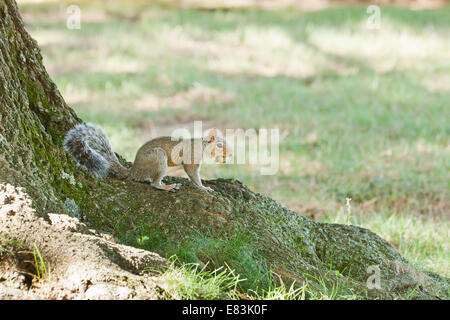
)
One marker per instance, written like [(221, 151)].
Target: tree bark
[(33, 121), (33, 116)]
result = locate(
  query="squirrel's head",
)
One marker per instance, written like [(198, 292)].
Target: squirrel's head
[(216, 147)]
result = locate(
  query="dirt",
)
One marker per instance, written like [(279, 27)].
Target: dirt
[(72, 259)]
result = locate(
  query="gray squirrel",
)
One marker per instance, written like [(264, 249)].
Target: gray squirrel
[(90, 147)]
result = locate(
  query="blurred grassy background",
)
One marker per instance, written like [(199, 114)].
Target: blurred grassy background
[(365, 113)]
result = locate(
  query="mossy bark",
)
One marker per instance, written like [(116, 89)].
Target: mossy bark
[(33, 121), (33, 116)]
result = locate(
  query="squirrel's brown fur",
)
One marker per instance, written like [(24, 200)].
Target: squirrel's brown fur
[(91, 149)]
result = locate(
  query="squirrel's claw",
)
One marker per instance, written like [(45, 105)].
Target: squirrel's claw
[(168, 187), (176, 186)]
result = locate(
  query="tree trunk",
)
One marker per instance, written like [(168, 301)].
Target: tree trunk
[(34, 119)]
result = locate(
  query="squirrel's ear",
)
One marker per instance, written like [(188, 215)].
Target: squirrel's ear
[(211, 135)]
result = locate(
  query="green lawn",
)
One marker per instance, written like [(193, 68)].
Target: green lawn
[(364, 113)]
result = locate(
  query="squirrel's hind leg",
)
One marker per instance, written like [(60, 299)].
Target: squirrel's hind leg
[(150, 165)]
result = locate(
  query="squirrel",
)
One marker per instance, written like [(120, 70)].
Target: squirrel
[(90, 147)]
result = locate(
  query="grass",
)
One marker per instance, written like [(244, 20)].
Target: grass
[(364, 114), (190, 281), (195, 282), (30, 263), (39, 264), (213, 254)]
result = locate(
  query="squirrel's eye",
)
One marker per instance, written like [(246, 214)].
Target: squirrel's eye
[(219, 145)]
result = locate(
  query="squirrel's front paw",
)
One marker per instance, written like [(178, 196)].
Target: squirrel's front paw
[(207, 188)]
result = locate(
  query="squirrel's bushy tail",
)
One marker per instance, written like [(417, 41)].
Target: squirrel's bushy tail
[(92, 151)]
